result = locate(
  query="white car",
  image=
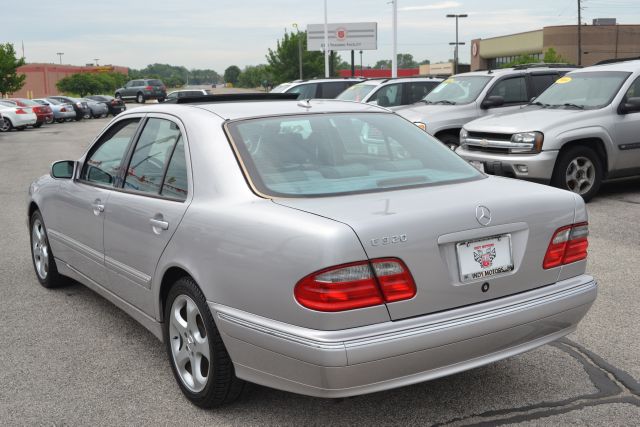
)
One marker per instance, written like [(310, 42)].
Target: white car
[(186, 93), (391, 92), (14, 116)]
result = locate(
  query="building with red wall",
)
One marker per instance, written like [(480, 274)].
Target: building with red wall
[(42, 78)]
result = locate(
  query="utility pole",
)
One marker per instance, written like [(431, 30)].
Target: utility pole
[(326, 42), (394, 57), (60, 55), (299, 50), (579, 34), (455, 57), (361, 72), (96, 61)]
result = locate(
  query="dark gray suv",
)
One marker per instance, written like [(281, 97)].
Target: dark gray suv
[(143, 89)]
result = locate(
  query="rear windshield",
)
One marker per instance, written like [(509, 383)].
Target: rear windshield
[(29, 102), (331, 154), (585, 89), (457, 90), (156, 83), (53, 101), (356, 92)]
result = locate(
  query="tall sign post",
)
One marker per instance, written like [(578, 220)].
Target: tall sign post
[(394, 57), (326, 42)]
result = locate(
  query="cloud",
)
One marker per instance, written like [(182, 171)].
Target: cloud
[(435, 6)]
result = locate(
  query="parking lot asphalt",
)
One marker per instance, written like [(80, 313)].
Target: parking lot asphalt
[(69, 357)]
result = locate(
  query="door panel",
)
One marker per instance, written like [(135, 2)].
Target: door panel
[(626, 137)]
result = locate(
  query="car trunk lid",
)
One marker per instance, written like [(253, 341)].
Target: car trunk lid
[(424, 226)]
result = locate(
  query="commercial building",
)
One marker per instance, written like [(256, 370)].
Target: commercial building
[(42, 78), (602, 40)]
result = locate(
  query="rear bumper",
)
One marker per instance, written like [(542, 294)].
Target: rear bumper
[(395, 354)]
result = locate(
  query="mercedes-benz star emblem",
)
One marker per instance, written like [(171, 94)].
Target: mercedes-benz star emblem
[(483, 215)]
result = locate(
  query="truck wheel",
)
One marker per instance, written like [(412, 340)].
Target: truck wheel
[(140, 98), (579, 170)]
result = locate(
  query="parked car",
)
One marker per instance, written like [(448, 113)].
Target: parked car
[(98, 109), (44, 113), (391, 92), (317, 88), (142, 90), (14, 116), (185, 93), (81, 107), (468, 96), (114, 105), (326, 248), (577, 133), (61, 111)]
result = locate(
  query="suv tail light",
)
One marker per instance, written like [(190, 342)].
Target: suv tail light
[(20, 111), (356, 285), (568, 244), (149, 88)]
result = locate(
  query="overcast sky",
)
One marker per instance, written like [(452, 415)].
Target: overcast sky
[(219, 33)]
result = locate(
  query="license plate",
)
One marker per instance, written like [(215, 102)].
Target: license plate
[(478, 165), (478, 259)]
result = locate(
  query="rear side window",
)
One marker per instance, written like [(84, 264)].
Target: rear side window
[(513, 90), (102, 166), (175, 183), (151, 155), (332, 154), (332, 89), (388, 96), (304, 91), (541, 82)]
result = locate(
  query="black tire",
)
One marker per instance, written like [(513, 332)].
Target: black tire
[(578, 155), (450, 140), (60, 120), (140, 98), (222, 385), (37, 125), (160, 99), (52, 279), (6, 125), (21, 128)]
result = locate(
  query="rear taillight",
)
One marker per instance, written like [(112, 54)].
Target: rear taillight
[(149, 88), (20, 111), (356, 285), (568, 244)]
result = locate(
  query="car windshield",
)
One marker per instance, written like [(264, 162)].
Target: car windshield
[(590, 89), (281, 88), (457, 90), (332, 154), (356, 92)]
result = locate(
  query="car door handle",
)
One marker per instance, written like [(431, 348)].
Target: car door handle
[(97, 207), (158, 223)]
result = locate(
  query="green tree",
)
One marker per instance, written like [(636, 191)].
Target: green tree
[(254, 76), (283, 60), (424, 62), (383, 64), (405, 60), (552, 57), (10, 81), (81, 84), (231, 74)]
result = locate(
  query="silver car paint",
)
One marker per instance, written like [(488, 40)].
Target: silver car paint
[(246, 253), (561, 126)]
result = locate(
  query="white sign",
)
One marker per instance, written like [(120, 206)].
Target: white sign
[(346, 36)]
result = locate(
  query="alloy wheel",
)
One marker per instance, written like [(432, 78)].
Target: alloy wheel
[(189, 343), (40, 249), (580, 175)]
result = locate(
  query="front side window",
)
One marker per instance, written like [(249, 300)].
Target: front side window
[(418, 90), (634, 90), (512, 90), (333, 154), (153, 151), (541, 82), (102, 166), (589, 89), (332, 89), (457, 90), (388, 96), (305, 91)]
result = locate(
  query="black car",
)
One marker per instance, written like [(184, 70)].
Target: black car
[(116, 106), (81, 108)]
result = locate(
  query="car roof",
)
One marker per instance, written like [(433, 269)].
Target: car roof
[(629, 66), (236, 110), (389, 80), (505, 71)]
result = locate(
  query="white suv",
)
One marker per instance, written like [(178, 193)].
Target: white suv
[(317, 88), (391, 93)]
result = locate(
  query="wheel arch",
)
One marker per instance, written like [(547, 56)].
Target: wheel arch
[(32, 208), (595, 143), (450, 131), (170, 276)]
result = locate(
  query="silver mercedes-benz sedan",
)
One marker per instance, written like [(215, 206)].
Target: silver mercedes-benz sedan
[(326, 248)]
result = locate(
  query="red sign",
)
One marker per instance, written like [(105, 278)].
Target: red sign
[(341, 34)]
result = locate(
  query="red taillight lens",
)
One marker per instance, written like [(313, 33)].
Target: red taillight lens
[(356, 285), (149, 88), (20, 111), (568, 244), (63, 110)]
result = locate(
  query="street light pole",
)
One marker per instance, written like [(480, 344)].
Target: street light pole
[(60, 55), (299, 50), (394, 58), (96, 61), (455, 57), (326, 42)]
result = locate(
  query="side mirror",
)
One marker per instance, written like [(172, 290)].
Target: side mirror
[(631, 105), (492, 101), (63, 169)]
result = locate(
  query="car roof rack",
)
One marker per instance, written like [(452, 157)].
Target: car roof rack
[(235, 97), (615, 60), (545, 65)]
